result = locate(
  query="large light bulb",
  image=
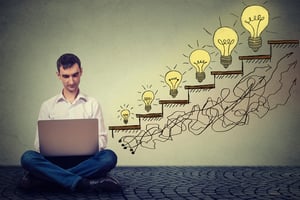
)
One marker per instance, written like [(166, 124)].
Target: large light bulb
[(125, 113), (173, 79), (199, 59), (147, 98), (225, 39), (255, 19)]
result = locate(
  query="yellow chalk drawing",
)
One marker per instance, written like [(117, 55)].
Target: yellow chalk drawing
[(225, 40), (173, 79), (255, 19), (199, 59), (125, 114), (148, 97)]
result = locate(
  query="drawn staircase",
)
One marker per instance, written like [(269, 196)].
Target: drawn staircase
[(216, 74)]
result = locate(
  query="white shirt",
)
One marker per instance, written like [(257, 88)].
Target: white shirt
[(82, 107)]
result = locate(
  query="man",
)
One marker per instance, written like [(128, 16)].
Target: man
[(74, 173)]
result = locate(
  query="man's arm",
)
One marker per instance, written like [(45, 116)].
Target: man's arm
[(101, 126), (43, 115)]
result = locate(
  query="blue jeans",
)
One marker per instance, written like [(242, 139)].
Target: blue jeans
[(95, 166)]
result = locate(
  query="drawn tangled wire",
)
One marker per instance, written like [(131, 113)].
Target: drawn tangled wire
[(256, 93)]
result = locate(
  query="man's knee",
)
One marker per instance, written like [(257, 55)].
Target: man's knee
[(110, 158), (27, 158)]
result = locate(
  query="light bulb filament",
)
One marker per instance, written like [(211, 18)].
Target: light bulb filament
[(173, 82), (255, 23), (200, 64), (147, 100), (226, 46)]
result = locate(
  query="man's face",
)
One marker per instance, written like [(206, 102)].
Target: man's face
[(70, 77)]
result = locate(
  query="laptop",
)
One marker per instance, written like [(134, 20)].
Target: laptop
[(68, 137)]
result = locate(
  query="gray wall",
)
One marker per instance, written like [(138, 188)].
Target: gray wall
[(125, 45)]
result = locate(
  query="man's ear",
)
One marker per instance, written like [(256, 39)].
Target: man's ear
[(58, 75)]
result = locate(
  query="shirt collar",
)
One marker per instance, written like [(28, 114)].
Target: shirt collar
[(80, 96)]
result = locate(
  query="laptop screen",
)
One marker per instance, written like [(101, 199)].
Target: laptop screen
[(68, 137)]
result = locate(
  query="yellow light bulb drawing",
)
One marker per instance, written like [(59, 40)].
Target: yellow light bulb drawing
[(125, 113), (225, 40), (173, 79), (147, 98), (199, 59), (255, 19)]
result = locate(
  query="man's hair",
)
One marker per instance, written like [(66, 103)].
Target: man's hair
[(67, 60)]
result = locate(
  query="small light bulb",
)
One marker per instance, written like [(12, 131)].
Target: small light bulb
[(173, 79), (225, 40), (125, 113), (255, 19), (147, 98), (199, 59)]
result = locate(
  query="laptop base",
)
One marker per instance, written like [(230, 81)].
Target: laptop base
[(67, 162)]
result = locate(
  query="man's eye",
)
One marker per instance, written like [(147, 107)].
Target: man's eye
[(75, 75), (65, 76)]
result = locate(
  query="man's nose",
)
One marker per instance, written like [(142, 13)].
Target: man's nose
[(71, 80)]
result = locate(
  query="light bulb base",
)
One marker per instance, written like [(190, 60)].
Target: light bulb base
[(147, 108), (226, 61), (125, 121), (173, 92), (200, 76), (255, 43)]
